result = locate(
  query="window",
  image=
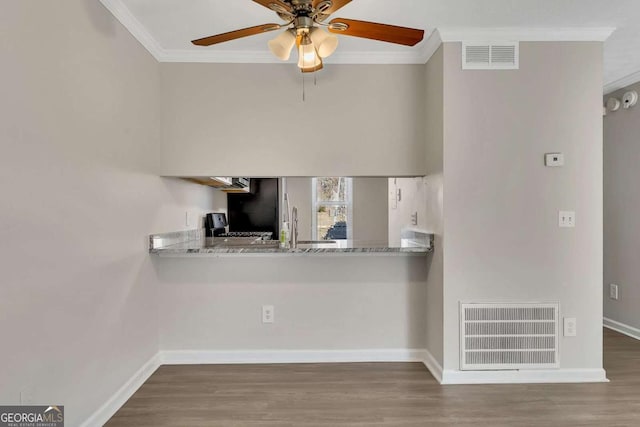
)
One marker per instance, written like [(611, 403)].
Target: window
[(332, 208)]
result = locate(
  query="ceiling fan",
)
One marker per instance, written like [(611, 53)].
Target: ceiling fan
[(304, 22)]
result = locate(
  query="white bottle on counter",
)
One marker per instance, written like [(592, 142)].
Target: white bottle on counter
[(284, 235)]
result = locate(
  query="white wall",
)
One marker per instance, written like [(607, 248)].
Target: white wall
[(413, 200), (321, 303), (239, 120), (433, 218), (501, 203), (370, 209), (621, 212), (79, 131)]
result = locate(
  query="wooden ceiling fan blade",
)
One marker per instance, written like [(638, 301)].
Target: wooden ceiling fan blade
[(232, 35), (375, 31), (335, 5)]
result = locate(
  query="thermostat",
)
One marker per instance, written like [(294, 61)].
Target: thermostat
[(554, 160)]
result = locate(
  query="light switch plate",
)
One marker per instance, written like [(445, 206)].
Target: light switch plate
[(268, 313), (570, 327), (567, 219), (554, 160), (613, 291)]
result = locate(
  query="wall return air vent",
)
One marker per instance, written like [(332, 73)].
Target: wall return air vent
[(490, 56), (508, 336)]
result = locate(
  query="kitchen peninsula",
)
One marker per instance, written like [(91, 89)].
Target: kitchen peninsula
[(195, 243)]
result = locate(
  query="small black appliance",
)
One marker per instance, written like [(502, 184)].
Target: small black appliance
[(215, 224)]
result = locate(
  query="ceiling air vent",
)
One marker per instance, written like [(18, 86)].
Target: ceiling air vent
[(508, 336), (490, 56)]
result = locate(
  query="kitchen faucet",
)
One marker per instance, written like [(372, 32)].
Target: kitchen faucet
[(294, 228)]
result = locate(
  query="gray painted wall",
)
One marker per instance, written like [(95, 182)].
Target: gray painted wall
[(321, 303), (79, 131), (370, 215), (622, 212), (501, 203), (238, 120), (413, 199), (434, 202)]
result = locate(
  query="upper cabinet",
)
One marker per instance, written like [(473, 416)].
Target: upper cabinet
[(227, 184)]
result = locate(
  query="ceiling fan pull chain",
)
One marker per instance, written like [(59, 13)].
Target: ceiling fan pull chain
[(303, 88)]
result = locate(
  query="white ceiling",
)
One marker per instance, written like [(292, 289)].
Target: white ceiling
[(169, 25)]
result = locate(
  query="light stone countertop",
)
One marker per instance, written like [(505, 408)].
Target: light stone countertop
[(193, 243)]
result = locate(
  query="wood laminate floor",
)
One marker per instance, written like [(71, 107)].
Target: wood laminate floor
[(378, 394)]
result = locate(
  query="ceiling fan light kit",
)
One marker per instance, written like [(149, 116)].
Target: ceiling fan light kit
[(308, 59), (304, 19), (324, 42), (282, 45)]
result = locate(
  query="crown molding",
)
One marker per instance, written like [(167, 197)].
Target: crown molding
[(622, 83), (265, 57), (220, 56), (595, 34), (430, 46), (135, 27)]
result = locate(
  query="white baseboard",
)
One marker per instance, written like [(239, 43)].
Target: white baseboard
[(525, 377), (622, 328), (204, 357), (119, 398), (433, 366)]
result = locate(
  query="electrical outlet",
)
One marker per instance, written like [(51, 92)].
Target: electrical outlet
[(566, 219), (26, 396), (554, 160), (570, 327), (268, 314), (613, 291)]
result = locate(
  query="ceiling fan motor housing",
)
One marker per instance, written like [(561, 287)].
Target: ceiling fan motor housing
[(302, 7), (303, 22)]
